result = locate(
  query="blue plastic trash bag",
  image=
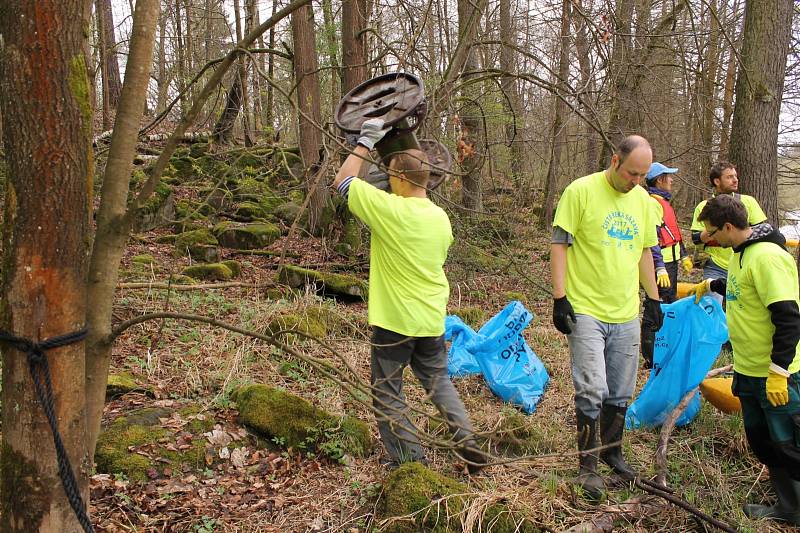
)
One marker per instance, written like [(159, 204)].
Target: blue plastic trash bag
[(686, 346), (510, 367), (460, 361)]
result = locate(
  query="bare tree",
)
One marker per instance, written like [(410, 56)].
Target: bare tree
[(515, 124), (354, 50), (109, 66)]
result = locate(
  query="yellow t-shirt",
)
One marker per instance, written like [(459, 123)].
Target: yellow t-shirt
[(610, 230), (722, 256), (768, 274), (408, 290)]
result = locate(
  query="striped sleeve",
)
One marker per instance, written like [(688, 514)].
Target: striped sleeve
[(344, 186)]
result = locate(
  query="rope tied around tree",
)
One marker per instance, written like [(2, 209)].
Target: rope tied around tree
[(40, 373)]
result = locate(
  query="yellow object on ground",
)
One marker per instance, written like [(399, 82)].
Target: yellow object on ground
[(718, 393), (791, 243)]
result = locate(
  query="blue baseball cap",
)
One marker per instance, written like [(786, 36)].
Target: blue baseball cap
[(656, 169)]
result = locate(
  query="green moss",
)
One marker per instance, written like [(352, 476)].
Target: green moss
[(513, 295), (293, 422), (516, 434), (350, 242), (209, 271), (288, 212), (252, 210), (26, 496), (198, 149), (435, 503), (246, 236), (119, 384), (200, 244), (326, 282), (235, 266), (79, 86), (144, 259), (309, 322), (474, 317), (185, 168)]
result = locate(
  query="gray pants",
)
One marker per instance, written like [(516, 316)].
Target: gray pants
[(604, 362), (391, 353)]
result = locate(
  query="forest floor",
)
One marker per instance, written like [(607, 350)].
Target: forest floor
[(183, 363)]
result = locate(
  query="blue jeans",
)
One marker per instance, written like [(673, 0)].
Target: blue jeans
[(605, 358)]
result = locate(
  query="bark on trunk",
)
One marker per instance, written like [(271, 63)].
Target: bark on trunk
[(354, 50), (515, 128), (759, 91), (223, 129), (310, 111), (44, 93)]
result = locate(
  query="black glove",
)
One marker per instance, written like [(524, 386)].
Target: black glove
[(648, 346), (653, 316), (562, 313)]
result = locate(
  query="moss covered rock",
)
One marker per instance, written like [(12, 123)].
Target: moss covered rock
[(252, 211), (157, 209), (209, 272), (200, 245), (423, 500), (324, 282), (293, 422), (312, 321), (235, 266), (246, 236), (143, 259), (288, 212), (119, 384), (142, 430), (350, 242)]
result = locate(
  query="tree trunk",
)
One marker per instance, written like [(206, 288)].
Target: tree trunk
[(251, 21), (592, 155), (624, 112), (354, 50), (112, 233), (163, 78), (310, 112), (471, 144), (558, 134), (332, 44), (181, 68), (243, 85), (727, 98), (707, 96), (44, 94), (515, 126), (269, 119), (109, 44), (759, 90), (223, 129)]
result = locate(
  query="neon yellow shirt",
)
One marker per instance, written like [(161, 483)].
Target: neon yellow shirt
[(722, 256), (610, 230), (408, 290), (768, 274)]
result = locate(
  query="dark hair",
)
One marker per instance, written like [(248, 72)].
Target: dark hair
[(717, 169), (413, 164), (628, 145), (724, 208)]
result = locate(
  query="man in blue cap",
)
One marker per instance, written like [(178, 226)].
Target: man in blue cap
[(670, 250)]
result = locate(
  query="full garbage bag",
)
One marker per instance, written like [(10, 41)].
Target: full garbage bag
[(510, 367), (686, 347)]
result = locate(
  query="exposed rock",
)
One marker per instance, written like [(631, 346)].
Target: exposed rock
[(144, 259), (235, 266), (119, 384), (199, 244), (324, 282), (157, 209), (246, 236), (293, 422), (288, 211), (209, 272)]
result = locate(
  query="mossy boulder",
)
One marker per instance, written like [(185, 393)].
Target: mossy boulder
[(323, 282), (516, 434), (119, 384), (474, 317), (200, 245), (311, 321), (186, 168), (209, 272), (157, 209), (198, 149), (235, 266), (246, 236), (142, 430), (289, 165), (287, 213), (252, 211), (350, 241), (293, 422), (419, 499)]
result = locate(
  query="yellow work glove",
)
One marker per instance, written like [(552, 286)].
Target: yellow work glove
[(662, 278), (700, 289), (777, 386), (687, 264)]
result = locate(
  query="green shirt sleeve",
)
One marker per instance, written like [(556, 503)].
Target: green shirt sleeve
[(374, 207), (568, 211), (696, 224), (755, 215), (769, 279)]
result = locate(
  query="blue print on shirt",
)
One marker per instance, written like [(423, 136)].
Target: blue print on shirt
[(621, 228)]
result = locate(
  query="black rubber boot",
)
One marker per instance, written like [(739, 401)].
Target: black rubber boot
[(588, 479), (788, 507), (612, 426)]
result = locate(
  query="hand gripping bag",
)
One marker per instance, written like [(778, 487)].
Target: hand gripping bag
[(686, 347), (460, 361), (511, 369)]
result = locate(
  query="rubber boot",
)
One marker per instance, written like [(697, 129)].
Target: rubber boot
[(476, 459), (788, 507), (588, 479), (612, 426)]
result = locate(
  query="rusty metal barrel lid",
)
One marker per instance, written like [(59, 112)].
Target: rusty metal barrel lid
[(392, 97)]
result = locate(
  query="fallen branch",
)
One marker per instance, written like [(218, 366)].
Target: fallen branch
[(603, 522), (683, 504), (199, 286)]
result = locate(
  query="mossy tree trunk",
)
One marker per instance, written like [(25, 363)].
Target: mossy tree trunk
[(45, 98)]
